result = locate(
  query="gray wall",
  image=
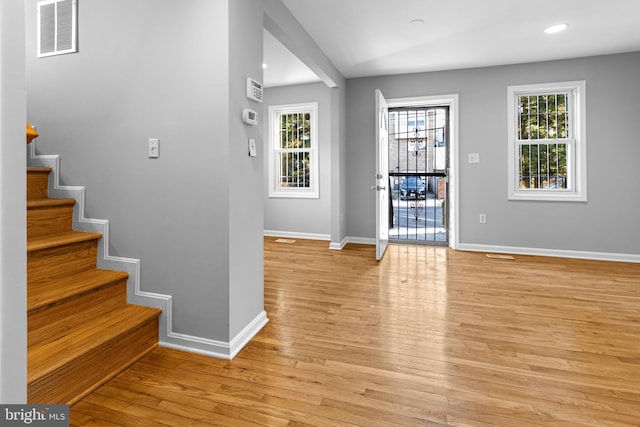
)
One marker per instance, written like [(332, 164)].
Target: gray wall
[(176, 71), (282, 24), (13, 235), (246, 254), (606, 223), (301, 216)]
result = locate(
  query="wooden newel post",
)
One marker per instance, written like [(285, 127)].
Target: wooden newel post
[(31, 133)]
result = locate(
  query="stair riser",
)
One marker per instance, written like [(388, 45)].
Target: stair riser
[(100, 300), (83, 375), (55, 219), (61, 260), (37, 184)]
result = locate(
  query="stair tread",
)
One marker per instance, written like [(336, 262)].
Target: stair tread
[(48, 357), (48, 201), (41, 293), (38, 169), (59, 239)]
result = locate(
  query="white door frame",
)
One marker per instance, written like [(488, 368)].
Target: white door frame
[(450, 100)]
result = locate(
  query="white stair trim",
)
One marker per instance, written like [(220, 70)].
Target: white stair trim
[(135, 295), (130, 265)]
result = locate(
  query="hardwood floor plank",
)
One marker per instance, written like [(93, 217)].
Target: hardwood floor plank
[(427, 336), (249, 416), (104, 412), (204, 369), (195, 386)]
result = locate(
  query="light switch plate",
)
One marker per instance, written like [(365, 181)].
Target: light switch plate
[(252, 147), (154, 148)]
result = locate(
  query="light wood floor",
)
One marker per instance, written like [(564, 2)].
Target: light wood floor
[(429, 336)]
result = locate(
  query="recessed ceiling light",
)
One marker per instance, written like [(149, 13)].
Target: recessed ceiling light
[(556, 28), (264, 66)]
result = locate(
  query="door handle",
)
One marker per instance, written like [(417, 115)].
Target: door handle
[(378, 188)]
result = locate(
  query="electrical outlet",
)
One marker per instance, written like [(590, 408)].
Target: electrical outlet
[(154, 148), (474, 157), (483, 218)]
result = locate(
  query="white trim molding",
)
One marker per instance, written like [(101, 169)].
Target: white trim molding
[(361, 240), (336, 246), (296, 235), (215, 348), (452, 101), (274, 142), (516, 250), (576, 142), (557, 253), (130, 265)]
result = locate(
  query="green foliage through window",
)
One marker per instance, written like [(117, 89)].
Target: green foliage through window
[(294, 150), (543, 166), (543, 116), (543, 133)]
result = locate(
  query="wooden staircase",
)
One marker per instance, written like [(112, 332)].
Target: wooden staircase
[(81, 331)]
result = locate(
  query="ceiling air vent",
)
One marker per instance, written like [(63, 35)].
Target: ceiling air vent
[(57, 27)]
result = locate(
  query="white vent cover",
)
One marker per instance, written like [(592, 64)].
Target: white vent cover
[(57, 27)]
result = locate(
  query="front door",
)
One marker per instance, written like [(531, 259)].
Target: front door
[(381, 186), (418, 170)]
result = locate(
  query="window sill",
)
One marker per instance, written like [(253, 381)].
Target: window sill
[(293, 195), (547, 196)]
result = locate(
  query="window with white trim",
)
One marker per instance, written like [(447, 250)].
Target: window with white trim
[(547, 142), (293, 150)]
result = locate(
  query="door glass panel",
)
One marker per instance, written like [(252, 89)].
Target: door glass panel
[(418, 164)]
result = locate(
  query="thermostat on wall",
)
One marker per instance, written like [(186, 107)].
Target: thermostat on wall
[(249, 116), (254, 90)]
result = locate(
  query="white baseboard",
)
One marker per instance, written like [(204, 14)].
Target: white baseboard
[(296, 235), (349, 239), (214, 348), (558, 253), (361, 240), (338, 246)]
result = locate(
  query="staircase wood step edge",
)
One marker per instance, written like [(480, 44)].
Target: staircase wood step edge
[(36, 169), (59, 239), (49, 202), (46, 292), (46, 359)]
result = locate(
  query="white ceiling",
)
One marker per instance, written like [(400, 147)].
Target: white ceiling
[(375, 37), (283, 68)]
